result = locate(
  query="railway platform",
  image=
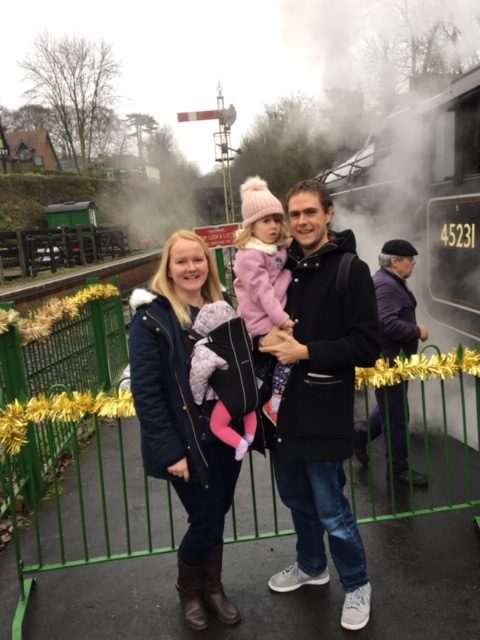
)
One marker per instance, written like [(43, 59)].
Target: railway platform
[(132, 271), (425, 573)]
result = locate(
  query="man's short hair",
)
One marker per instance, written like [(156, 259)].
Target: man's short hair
[(312, 186), (385, 260)]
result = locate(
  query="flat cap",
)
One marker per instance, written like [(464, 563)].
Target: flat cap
[(399, 248)]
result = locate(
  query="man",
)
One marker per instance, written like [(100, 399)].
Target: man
[(399, 332), (333, 333)]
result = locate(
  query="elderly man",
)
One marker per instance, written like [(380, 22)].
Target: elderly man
[(399, 332)]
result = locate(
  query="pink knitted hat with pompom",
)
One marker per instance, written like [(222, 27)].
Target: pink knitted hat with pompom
[(258, 201)]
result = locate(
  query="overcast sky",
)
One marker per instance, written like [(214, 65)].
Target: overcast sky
[(173, 55)]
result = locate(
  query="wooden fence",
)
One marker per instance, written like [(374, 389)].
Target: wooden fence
[(25, 253)]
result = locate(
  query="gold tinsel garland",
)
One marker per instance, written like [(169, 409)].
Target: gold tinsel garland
[(38, 324), (7, 317), (71, 407), (13, 428), (438, 366), (65, 407)]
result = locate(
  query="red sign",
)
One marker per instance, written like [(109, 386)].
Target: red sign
[(220, 235)]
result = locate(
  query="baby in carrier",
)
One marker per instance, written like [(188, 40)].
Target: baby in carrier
[(222, 369)]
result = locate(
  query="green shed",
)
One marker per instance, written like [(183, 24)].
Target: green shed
[(69, 214)]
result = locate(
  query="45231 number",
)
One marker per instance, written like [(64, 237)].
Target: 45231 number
[(461, 236)]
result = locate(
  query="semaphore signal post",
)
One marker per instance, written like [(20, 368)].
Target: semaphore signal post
[(226, 118)]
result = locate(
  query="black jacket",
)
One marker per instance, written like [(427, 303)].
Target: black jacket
[(170, 425), (315, 420)]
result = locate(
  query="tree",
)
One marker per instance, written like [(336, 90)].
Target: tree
[(285, 144), (110, 133), (143, 123), (73, 78), (28, 116), (425, 49)]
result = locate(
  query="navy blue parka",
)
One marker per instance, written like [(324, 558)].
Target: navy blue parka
[(171, 426)]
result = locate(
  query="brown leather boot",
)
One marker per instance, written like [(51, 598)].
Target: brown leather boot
[(213, 594), (189, 586)]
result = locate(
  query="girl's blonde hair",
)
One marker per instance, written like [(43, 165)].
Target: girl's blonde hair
[(162, 282), (246, 234)]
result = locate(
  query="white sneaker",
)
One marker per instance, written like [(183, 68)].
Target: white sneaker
[(356, 608), (293, 578)]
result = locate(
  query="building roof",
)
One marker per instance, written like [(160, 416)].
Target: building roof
[(37, 140)]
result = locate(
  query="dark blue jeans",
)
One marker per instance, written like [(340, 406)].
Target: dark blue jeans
[(313, 491), (206, 509)]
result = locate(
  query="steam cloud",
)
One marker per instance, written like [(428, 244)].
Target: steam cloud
[(332, 34)]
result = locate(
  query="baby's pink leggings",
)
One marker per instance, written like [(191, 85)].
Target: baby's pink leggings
[(220, 424)]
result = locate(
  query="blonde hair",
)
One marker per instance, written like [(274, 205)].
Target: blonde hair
[(246, 234), (162, 283)]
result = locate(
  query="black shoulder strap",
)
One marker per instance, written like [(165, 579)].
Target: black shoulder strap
[(194, 334), (343, 272)]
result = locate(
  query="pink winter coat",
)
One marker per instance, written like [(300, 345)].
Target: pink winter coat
[(261, 286)]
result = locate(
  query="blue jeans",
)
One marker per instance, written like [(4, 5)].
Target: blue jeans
[(313, 491)]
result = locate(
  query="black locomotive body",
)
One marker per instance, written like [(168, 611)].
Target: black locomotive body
[(419, 175)]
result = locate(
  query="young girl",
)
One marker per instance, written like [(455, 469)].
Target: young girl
[(206, 360), (261, 281)]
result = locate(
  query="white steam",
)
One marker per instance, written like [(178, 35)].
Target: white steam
[(352, 45)]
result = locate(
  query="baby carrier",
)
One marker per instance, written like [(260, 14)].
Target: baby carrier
[(236, 386)]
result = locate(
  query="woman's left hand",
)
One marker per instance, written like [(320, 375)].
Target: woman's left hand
[(180, 469), (287, 349)]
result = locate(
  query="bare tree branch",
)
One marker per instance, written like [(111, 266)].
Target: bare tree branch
[(74, 78)]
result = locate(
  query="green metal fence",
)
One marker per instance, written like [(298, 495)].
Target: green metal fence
[(85, 351), (68, 355), (104, 508), (88, 351), (443, 438)]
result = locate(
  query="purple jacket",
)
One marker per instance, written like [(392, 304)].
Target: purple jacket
[(396, 311), (261, 287)]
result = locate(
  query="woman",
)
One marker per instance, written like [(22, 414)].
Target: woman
[(176, 441)]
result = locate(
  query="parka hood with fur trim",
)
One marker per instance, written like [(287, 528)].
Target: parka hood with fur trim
[(141, 297)]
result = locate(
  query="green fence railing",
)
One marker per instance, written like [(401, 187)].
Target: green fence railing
[(104, 510), (68, 355), (83, 348)]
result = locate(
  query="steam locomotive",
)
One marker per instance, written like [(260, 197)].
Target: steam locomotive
[(419, 175)]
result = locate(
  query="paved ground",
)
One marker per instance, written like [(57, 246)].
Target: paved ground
[(425, 573), (425, 570)]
